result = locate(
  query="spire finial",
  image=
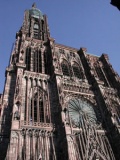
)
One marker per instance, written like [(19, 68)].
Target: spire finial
[(34, 5)]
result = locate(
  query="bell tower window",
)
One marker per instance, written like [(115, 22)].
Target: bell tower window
[(42, 30), (36, 30), (36, 26)]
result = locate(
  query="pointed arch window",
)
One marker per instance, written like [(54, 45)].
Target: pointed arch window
[(46, 63), (42, 22), (37, 108), (100, 74), (37, 62), (41, 110), (36, 30), (36, 26), (78, 71), (108, 76), (65, 68), (28, 59)]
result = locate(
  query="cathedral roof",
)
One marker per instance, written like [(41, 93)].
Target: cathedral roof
[(34, 12)]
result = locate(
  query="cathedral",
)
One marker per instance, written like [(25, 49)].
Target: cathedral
[(59, 102)]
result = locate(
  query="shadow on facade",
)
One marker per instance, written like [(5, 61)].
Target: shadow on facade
[(111, 130), (59, 138), (7, 118), (59, 135)]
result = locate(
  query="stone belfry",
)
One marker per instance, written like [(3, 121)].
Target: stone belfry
[(26, 113), (59, 103)]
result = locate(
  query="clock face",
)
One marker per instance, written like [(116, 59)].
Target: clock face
[(78, 108)]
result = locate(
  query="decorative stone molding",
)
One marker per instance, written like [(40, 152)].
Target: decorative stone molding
[(36, 132)]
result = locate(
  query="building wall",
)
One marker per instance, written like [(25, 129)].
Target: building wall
[(59, 102)]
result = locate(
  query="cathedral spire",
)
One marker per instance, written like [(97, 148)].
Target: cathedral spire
[(36, 24)]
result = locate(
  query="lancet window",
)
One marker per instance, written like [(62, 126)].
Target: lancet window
[(36, 30), (65, 68), (42, 23), (101, 75), (108, 76), (36, 103), (37, 61), (37, 109), (45, 63), (78, 71), (28, 59)]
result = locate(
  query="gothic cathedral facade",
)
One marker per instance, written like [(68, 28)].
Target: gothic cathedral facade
[(59, 103)]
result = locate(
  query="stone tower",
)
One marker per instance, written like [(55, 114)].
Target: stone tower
[(59, 103)]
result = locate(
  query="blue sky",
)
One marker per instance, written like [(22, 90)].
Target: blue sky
[(94, 24)]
